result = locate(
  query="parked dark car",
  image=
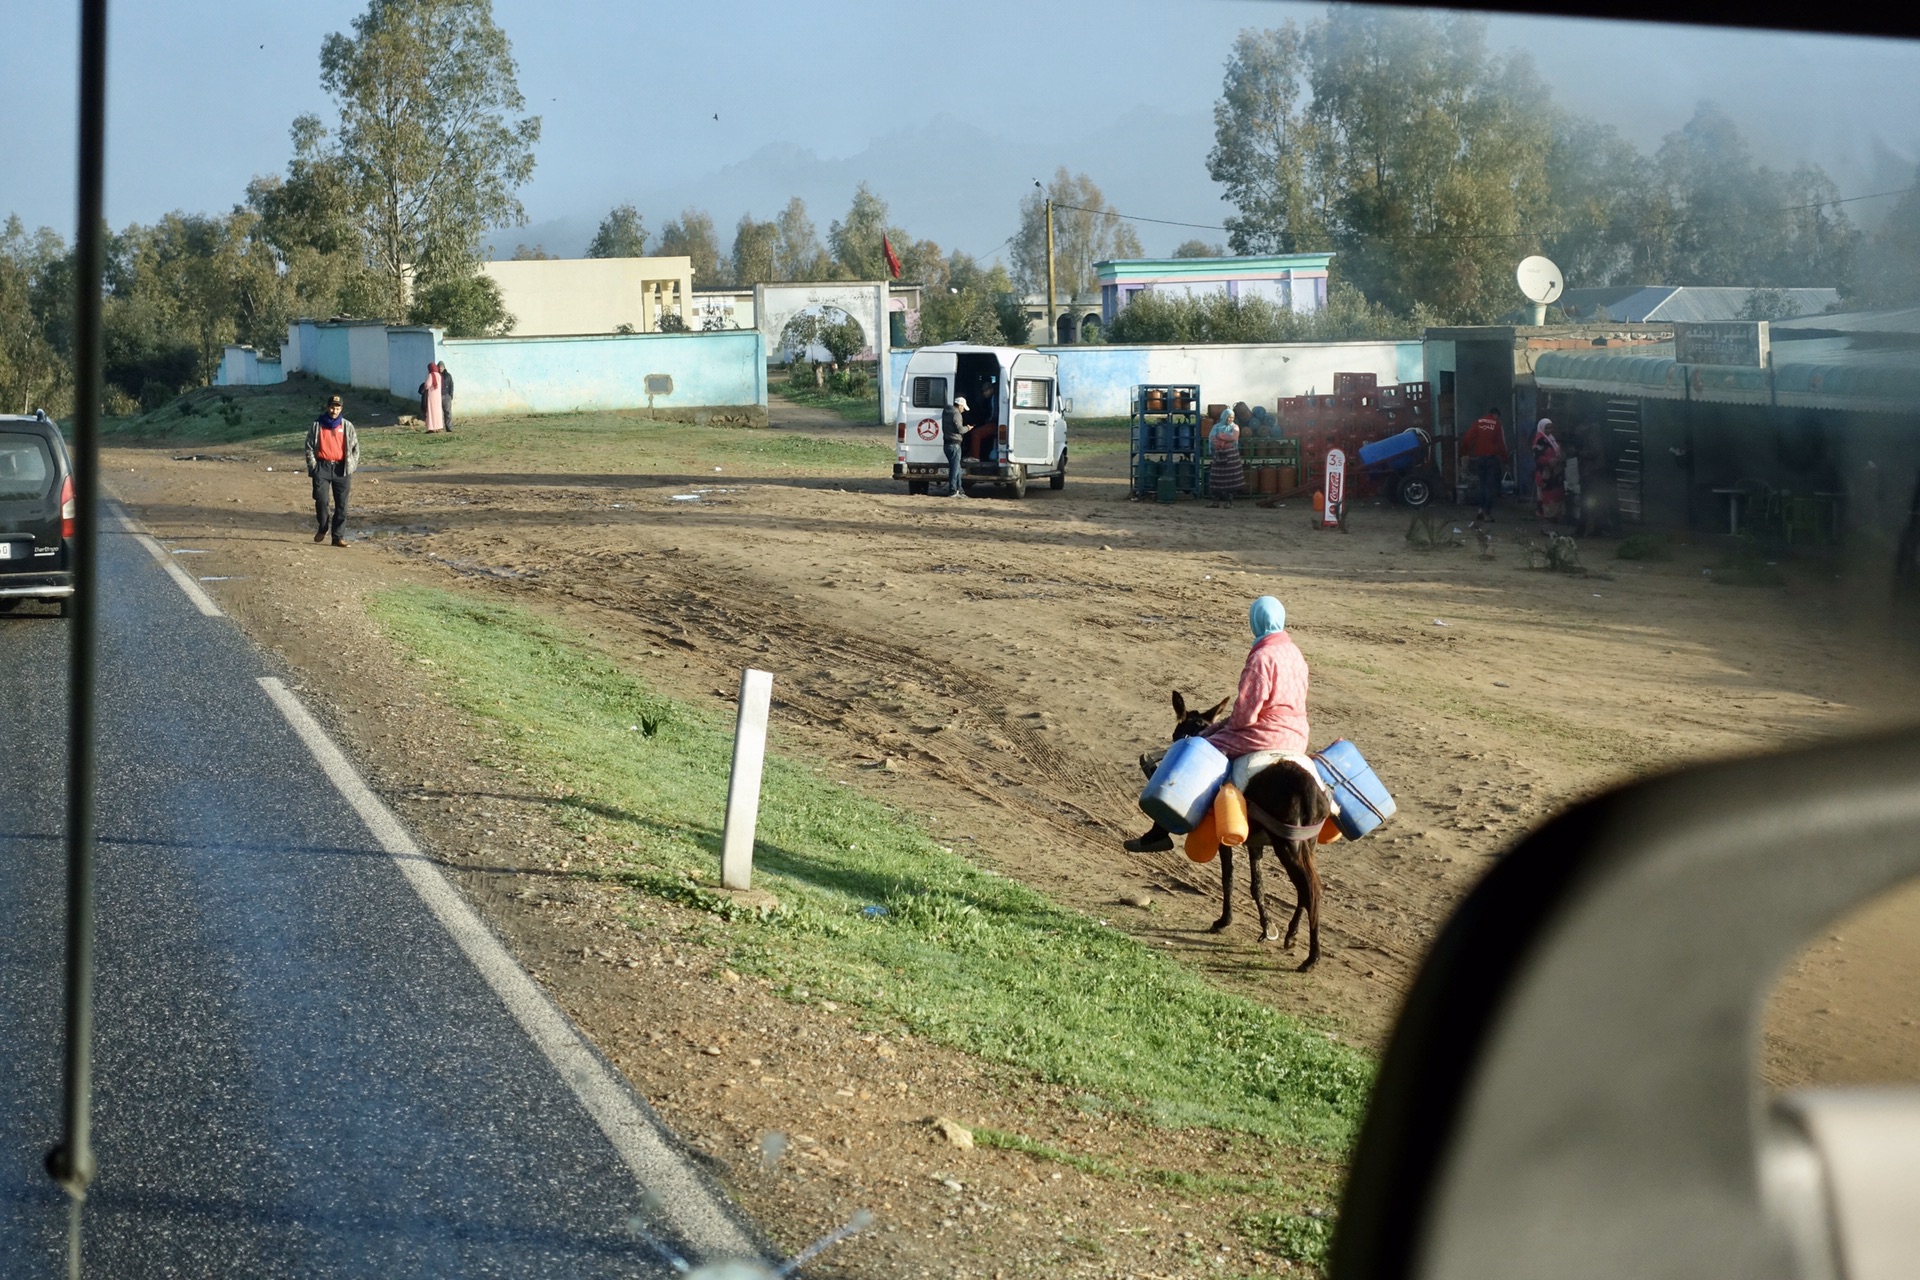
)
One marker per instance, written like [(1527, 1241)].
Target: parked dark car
[(36, 512)]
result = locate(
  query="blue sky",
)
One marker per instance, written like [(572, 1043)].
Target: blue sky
[(950, 118)]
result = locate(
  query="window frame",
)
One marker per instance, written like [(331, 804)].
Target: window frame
[(915, 395), (1020, 385)]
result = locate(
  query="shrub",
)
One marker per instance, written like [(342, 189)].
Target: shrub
[(1645, 546), (843, 340), (1297, 1237), (465, 306), (854, 382), (1560, 555)]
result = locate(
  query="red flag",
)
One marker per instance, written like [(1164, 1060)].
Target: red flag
[(893, 259)]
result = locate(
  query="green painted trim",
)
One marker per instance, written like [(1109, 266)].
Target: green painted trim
[(1115, 271)]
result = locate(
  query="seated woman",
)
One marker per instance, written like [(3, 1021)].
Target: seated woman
[(1269, 711)]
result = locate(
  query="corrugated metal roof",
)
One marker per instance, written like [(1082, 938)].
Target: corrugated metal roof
[(1629, 303), (1815, 373), (1901, 320), (1640, 304), (1727, 304), (1649, 371)]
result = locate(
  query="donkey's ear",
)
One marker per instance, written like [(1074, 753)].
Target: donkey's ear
[(1213, 712), (1179, 706)]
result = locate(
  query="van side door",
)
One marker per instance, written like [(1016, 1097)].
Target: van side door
[(1030, 396)]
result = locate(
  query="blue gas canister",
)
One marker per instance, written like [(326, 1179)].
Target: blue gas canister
[(1364, 803), (1181, 790), (1393, 447)]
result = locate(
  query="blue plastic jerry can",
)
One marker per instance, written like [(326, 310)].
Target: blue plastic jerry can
[(1182, 788), (1364, 803)]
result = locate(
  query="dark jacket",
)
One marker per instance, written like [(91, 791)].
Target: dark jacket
[(446, 387), (952, 427)]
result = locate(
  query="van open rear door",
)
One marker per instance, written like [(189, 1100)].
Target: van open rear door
[(1030, 396), (925, 390)]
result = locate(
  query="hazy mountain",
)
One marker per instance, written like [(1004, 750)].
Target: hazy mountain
[(952, 182)]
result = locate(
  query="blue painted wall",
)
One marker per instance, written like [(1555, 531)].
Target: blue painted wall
[(331, 359), (1100, 379), (409, 351), (601, 371)]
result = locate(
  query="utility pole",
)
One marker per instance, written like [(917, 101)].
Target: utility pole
[(1053, 322)]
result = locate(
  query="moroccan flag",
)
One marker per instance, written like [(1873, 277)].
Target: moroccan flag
[(893, 259)]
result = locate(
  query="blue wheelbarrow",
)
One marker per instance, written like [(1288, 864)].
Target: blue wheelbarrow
[(1402, 466)]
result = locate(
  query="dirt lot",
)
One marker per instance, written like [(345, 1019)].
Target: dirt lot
[(996, 666)]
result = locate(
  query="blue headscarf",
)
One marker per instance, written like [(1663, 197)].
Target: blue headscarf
[(1268, 615), (1224, 425)]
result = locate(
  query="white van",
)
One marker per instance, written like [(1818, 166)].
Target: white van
[(1016, 432)]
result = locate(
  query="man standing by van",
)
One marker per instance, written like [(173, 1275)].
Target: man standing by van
[(953, 429), (333, 454)]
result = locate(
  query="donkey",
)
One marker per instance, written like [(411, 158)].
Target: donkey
[(1286, 807)]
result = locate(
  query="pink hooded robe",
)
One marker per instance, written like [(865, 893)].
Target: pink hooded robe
[(436, 420)]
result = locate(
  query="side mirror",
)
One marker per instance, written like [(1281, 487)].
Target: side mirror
[(1066, 404)]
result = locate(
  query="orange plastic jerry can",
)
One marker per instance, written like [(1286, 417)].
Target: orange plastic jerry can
[(1230, 816), (1203, 842), (1330, 831)]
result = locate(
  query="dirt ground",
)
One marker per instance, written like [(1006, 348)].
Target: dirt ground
[(996, 666)]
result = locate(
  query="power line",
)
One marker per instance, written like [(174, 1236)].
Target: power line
[(1523, 235)]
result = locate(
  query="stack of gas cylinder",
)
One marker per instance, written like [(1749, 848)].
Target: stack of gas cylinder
[(1359, 411)]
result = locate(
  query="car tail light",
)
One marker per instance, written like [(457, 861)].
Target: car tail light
[(66, 508), (903, 433)]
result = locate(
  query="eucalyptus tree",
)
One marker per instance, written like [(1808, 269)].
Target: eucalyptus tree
[(431, 145), (621, 235), (1086, 230)]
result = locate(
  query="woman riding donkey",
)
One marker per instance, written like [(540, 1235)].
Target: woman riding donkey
[(1266, 738), (1269, 711)]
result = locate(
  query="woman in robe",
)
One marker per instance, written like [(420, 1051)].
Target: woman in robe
[(432, 412), (1228, 474), (1549, 473)]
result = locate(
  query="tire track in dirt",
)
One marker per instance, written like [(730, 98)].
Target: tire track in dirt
[(686, 602)]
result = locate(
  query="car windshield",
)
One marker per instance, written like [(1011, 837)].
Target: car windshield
[(1570, 378), (26, 466)]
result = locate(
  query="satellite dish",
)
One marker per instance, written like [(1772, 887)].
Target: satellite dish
[(1539, 280)]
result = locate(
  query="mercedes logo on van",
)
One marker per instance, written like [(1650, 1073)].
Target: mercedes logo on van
[(928, 428)]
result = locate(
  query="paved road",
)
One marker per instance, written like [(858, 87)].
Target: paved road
[(299, 1071)]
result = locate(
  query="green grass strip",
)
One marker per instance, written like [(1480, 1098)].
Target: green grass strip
[(953, 953), (1093, 1167)]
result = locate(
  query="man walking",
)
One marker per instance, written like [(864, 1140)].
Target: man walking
[(446, 399), (953, 428), (333, 454), (1485, 444)]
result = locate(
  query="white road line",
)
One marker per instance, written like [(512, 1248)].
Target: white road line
[(182, 579), (201, 600), (686, 1201)]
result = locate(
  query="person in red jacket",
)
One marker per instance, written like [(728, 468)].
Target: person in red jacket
[(1485, 445), (333, 455), (1269, 711)]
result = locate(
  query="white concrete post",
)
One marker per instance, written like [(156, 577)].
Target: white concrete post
[(743, 785), (883, 348)]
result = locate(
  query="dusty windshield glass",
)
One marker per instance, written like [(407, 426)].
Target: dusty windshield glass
[(1447, 418), (26, 467)]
